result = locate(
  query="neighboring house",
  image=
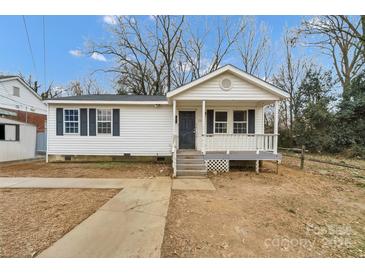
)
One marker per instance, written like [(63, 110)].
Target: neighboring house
[(202, 125), (17, 140), (18, 101)]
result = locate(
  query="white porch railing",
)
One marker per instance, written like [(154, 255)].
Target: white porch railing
[(174, 152), (240, 142)]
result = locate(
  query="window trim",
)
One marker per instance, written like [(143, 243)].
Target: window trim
[(242, 122), (10, 124), (226, 111), (78, 121), (111, 122)]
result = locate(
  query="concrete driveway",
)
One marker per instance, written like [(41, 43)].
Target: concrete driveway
[(131, 224)]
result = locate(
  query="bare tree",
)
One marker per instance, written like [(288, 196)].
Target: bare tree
[(288, 78), (356, 29), (201, 56), (52, 92), (135, 50), (155, 56), (332, 35), (253, 47), (171, 28), (87, 86)]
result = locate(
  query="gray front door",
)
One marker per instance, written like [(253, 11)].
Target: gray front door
[(187, 129)]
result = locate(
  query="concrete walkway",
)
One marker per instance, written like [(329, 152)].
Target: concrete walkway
[(131, 224)]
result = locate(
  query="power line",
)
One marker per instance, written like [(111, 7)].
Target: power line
[(29, 45), (44, 55)]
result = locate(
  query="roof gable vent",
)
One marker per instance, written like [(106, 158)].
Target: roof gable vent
[(226, 84)]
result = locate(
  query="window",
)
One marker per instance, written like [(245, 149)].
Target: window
[(16, 91), (104, 121), (220, 123), (239, 121), (2, 132), (8, 132), (71, 121)]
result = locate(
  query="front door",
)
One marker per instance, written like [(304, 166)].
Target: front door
[(186, 129)]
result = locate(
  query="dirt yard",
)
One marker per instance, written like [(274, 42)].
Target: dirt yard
[(319, 212), (32, 219), (85, 170)]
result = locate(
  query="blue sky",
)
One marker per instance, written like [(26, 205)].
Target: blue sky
[(69, 33)]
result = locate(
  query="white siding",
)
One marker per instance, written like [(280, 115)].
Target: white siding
[(144, 131), (211, 90), (22, 149), (27, 100)]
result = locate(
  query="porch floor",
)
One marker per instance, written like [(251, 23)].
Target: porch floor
[(242, 155)]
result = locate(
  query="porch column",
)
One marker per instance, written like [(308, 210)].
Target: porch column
[(173, 118), (204, 125), (276, 126)]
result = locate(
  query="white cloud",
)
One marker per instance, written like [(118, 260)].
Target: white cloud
[(76, 52), (152, 17), (98, 57), (110, 19)]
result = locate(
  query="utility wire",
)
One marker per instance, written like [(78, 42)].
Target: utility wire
[(44, 55), (29, 45)]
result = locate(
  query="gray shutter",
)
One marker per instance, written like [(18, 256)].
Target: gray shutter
[(251, 121), (83, 121), (17, 133), (116, 121), (59, 121), (92, 122), (210, 121)]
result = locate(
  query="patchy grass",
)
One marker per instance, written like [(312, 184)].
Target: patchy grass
[(32, 219), (316, 212), (85, 170)]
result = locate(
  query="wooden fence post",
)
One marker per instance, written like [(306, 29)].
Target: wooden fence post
[(302, 157)]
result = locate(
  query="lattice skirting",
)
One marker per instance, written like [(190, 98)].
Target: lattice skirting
[(217, 165)]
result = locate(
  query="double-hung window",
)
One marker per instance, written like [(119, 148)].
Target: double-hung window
[(239, 121), (104, 119), (220, 122), (71, 120)]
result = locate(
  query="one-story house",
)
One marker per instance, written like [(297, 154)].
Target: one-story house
[(201, 126)]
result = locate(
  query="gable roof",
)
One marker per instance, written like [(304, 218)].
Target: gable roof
[(237, 72), (111, 98), (4, 78)]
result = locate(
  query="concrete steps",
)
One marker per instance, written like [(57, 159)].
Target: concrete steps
[(190, 163)]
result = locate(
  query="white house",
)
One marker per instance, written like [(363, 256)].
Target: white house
[(20, 102), (202, 125)]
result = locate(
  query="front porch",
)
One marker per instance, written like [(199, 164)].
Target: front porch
[(223, 131)]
